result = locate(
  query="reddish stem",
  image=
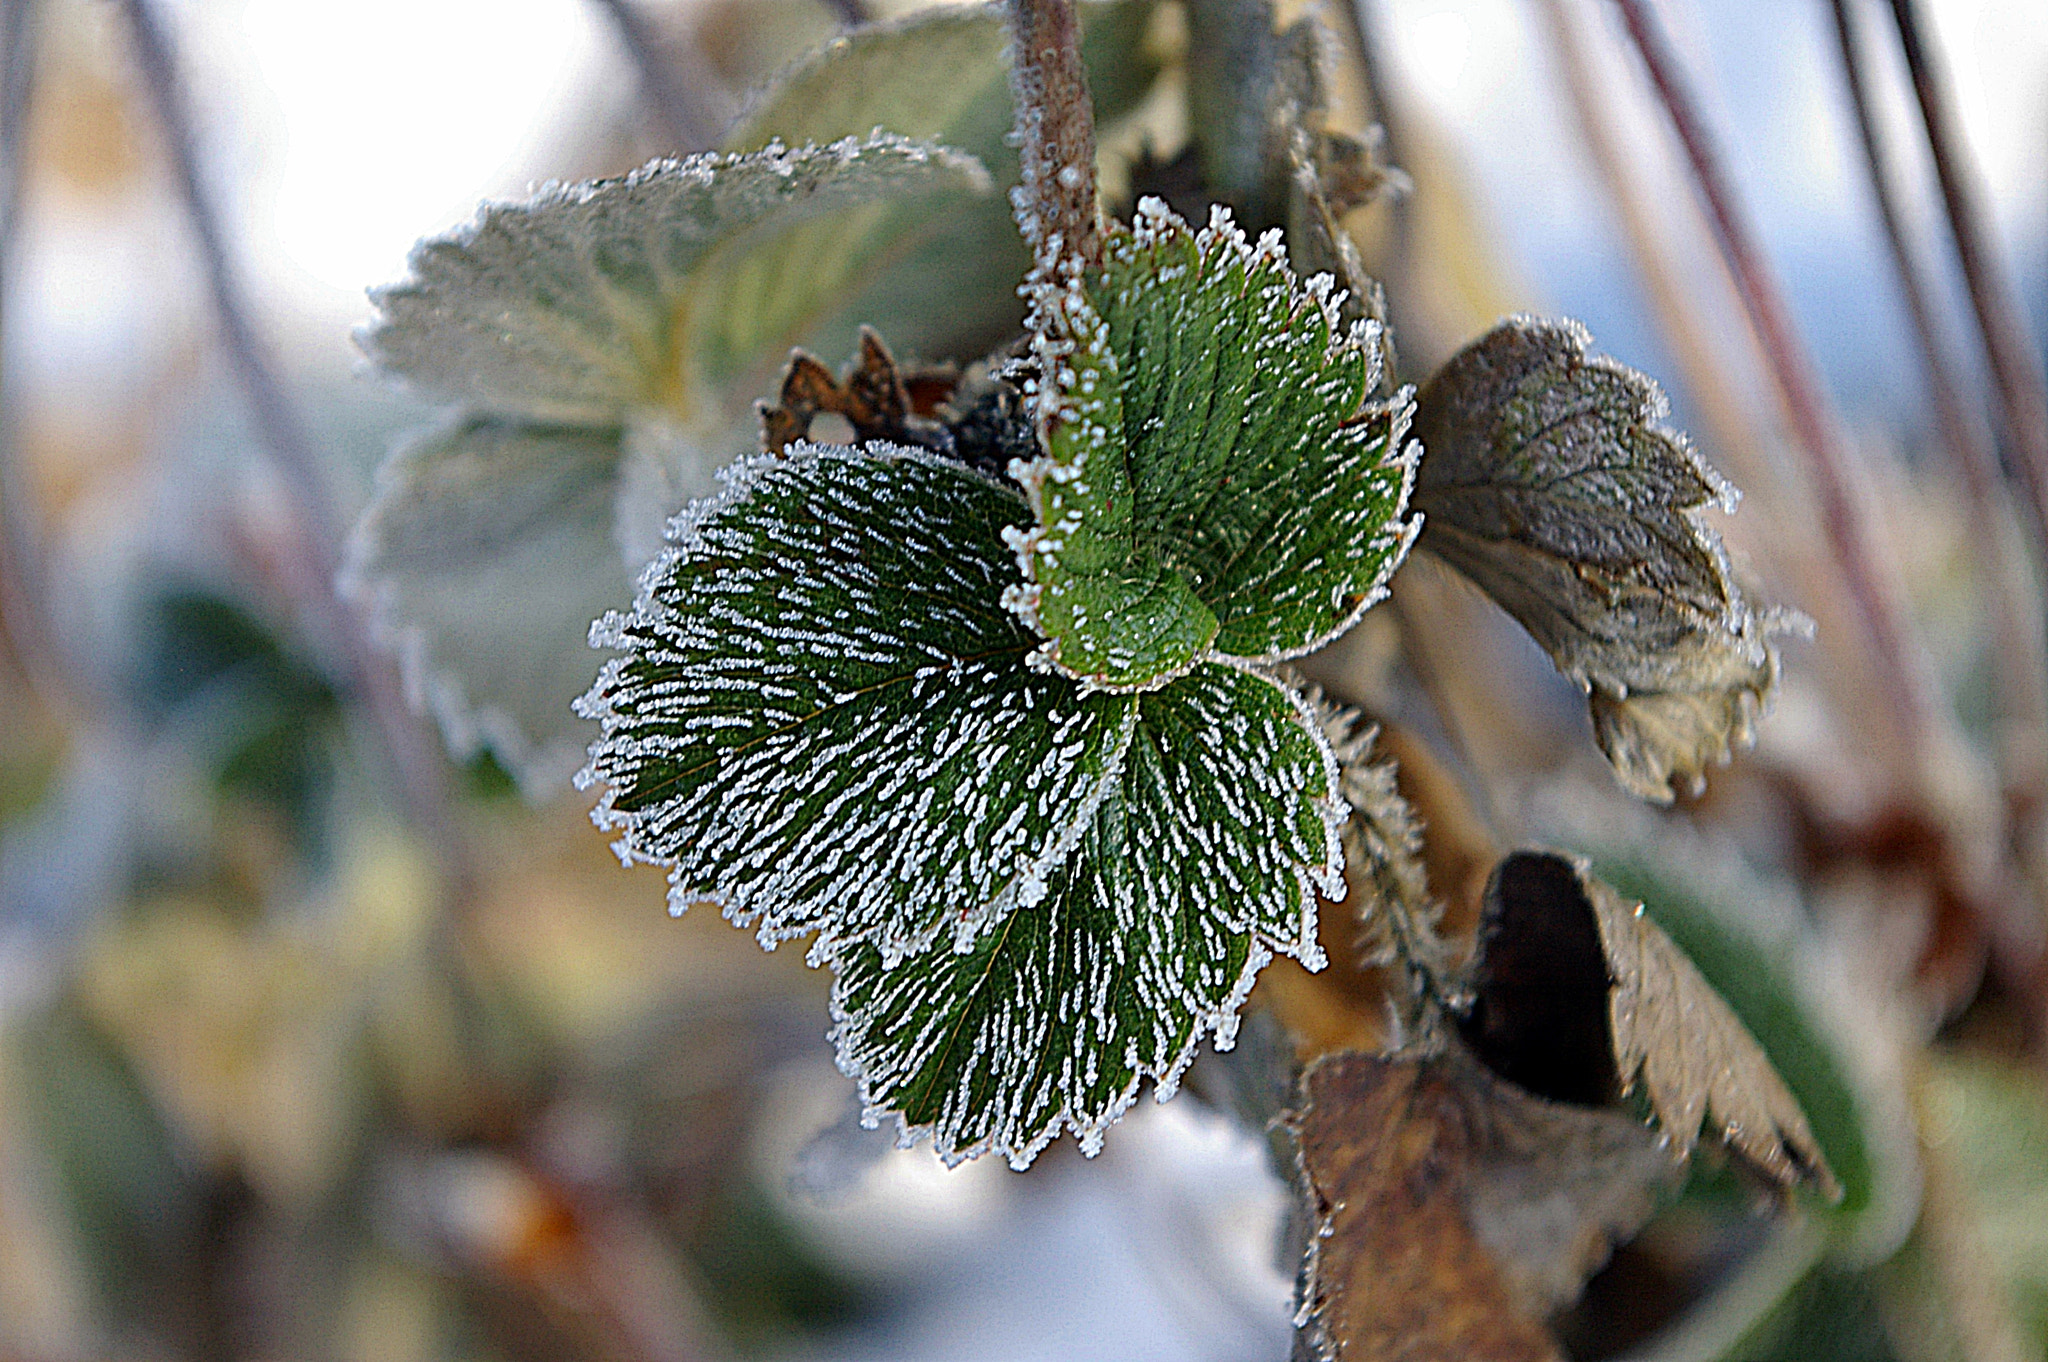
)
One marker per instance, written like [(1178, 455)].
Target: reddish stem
[(1056, 204)]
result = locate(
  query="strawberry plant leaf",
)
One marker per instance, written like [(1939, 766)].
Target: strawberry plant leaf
[(1142, 947), (822, 718), (1551, 483), (1215, 479)]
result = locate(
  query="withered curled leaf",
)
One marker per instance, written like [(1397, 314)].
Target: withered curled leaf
[(1550, 481), (1665, 1026), (1453, 1211)]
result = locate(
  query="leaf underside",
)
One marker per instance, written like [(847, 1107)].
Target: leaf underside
[(1668, 1030), (1550, 482), (572, 307), (823, 720), (1215, 481)]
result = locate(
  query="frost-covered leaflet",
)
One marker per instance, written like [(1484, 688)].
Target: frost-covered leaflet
[(1217, 480)]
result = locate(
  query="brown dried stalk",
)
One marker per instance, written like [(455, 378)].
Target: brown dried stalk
[(2017, 628), (673, 85), (284, 437), (1056, 203), (23, 596)]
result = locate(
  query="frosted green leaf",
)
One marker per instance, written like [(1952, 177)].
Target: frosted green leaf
[(1550, 482), (484, 557), (585, 301), (823, 721), (1139, 950), (1216, 480), (949, 284)]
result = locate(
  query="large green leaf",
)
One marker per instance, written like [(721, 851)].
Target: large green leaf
[(1216, 479), (1148, 940), (822, 718), (591, 298)]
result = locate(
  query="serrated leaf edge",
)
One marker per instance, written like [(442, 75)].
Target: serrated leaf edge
[(1219, 1024), (702, 168)]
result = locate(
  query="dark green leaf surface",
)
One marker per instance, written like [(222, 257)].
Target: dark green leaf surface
[(1148, 940), (824, 721), (1211, 453)]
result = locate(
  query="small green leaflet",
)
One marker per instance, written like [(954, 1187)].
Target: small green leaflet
[(823, 720), (1216, 481)]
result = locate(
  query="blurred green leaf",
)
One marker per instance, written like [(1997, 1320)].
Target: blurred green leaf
[(483, 560), (646, 290)]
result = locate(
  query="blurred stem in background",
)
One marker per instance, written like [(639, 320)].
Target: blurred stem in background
[(1831, 462), (23, 595), (366, 672), (2022, 403), (2010, 572), (675, 82)]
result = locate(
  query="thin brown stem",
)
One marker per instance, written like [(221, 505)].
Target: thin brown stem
[(2015, 367), (284, 438), (1056, 203), (2018, 627), (1815, 425), (673, 94)]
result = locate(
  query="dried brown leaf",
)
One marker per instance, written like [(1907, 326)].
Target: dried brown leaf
[(1666, 1027), (1452, 1210), (1549, 480)]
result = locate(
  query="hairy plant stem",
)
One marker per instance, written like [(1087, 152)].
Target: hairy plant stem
[(668, 80), (1056, 202), (2015, 367), (24, 595), (313, 523), (2016, 609), (1817, 429)]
